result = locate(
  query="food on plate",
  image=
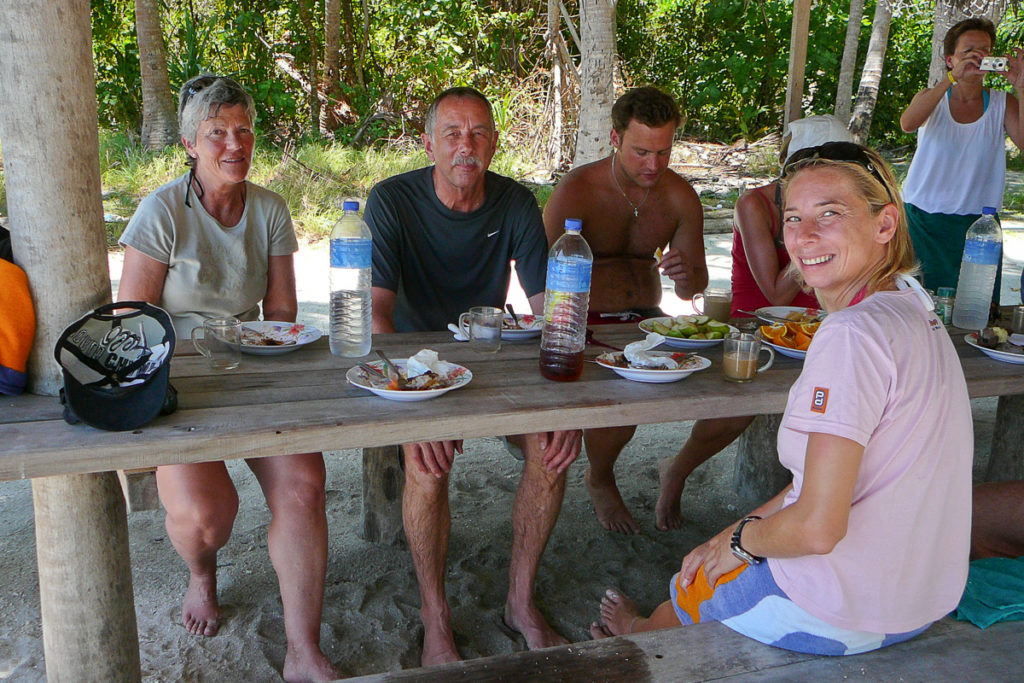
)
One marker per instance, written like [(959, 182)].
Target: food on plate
[(680, 360), (997, 338), (274, 337), (422, 371), (808, 315), (689, 327), (792, 335), (526, 322)]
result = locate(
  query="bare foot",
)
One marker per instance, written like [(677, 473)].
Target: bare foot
[(609, 507), (534, 627), (308, 667), (438, 642), (598, 631), (667, 512), (200, 612), (618, 613)]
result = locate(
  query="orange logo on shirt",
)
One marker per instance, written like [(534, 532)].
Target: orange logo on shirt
[(819, 400)]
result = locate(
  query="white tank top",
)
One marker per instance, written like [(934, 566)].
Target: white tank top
[(959, 167)]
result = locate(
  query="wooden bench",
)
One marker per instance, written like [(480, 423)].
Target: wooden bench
[(949, 650)]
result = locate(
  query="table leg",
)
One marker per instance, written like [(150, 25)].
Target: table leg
[(758, 475), (85, 579), (1006, 461), (383, 483)]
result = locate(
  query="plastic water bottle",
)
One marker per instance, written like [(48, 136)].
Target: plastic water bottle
[(351, 264), (566, 301), (982, 251)]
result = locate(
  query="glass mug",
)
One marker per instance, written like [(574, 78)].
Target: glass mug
[(482, 326), (739, 360), (221, 342), (715, 303)]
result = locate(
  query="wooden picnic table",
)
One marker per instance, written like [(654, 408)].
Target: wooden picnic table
[(300, 402)]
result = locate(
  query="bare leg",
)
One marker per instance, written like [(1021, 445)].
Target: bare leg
[(534, 513), (603, 448), (619, 616), (707, 438), (997, 526), (297, 541), (201, 504), (428, 522)]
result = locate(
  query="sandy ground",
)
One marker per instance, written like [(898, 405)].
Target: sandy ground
[(370, 620)]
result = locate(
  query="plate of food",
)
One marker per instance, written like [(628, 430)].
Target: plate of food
[(688, 331), (687, 365), (790, 339), (373, 376), (795, 314), (273, 337), (995, 344), (529, 326)]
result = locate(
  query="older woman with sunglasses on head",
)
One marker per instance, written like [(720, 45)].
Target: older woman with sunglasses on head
[(869, 544), (211, 244)]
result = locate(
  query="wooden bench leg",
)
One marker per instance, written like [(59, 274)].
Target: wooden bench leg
[(758, 475), (1006, 461), (139, 487), (383, 483)]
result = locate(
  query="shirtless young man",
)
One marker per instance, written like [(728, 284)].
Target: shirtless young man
[(631, 205)]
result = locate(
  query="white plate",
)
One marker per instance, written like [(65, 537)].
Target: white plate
[(532, 330), (780, 312), (678, 342), (299, 335), (1004, 356), (786, 351), (654, 375), (355, 377)]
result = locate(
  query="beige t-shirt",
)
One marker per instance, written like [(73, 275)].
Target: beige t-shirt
[(212, 271)]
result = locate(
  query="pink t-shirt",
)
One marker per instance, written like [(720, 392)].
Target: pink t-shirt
[(884, 373)]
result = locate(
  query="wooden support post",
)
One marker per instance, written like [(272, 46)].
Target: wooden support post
[(758, 474), (1006, 461), (139, 488), (797, 61), (89, 631), (383, 483)]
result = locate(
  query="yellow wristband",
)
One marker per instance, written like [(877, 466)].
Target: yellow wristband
[(951, 79)]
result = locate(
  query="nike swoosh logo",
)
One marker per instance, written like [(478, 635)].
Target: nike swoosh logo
[(492, 234)]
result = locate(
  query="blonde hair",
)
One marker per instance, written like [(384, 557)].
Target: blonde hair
[(878, 191)]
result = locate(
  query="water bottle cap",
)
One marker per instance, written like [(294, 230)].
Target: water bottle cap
[(988, 211), (573, 224), (350, 206)]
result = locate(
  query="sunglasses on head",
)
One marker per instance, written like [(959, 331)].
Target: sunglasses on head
[(838, 151), (198, 85)]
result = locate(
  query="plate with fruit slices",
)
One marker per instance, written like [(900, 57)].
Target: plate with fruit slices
[(688, 331), (790, 339)]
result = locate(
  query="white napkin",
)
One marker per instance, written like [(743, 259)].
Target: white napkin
[(426, 361), (638, 353)]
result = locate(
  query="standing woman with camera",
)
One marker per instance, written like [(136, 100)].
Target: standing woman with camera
[(960, 163)]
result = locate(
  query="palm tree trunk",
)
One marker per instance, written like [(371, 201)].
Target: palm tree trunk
[(555, 94), (597, 71), (867, 93), (159, 120), (314, 75), (332, 74), (844, 92)]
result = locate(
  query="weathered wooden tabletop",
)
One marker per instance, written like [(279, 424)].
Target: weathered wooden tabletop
[(300, 402)]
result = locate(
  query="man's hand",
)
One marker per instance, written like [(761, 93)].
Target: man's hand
[(560, 448), (714, 554), (678, 268), (435, 457)]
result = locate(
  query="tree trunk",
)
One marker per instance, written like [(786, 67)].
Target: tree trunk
[(844, 92), (313, 73), (159, 121), (555, 94), (348, 44), (51, 159), (797, 61), (597, 72), (949, 12), (332, 74), (867, 93)]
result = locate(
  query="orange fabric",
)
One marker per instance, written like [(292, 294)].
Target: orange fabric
[(17, 326), (689, 599)]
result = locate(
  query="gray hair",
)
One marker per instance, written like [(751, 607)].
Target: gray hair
[(203, 96), (460, 92)]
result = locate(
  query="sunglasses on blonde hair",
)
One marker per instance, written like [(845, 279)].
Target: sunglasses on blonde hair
[(849, 152)]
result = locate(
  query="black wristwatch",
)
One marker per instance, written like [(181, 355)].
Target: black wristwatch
[(737, 549)]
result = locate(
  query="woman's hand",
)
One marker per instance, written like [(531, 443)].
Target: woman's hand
[(715, 555), (1015, 70)]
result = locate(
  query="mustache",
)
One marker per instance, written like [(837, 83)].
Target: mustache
[(466, 161)]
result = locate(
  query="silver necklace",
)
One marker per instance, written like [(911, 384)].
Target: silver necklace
[(636, 207)]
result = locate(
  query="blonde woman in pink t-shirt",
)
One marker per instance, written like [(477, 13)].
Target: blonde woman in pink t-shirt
[(869, 544)]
